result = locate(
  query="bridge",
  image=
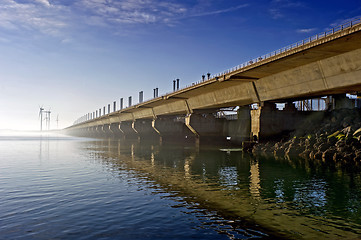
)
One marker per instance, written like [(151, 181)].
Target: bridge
[(327, 64)]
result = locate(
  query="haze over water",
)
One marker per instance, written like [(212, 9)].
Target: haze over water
[(59, 187)]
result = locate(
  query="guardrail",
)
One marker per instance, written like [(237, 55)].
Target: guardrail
[(347, 25)]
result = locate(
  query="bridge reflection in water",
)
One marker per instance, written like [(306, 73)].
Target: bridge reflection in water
[(290, 198)]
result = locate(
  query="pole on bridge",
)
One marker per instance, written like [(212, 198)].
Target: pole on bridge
[(140, 96), (104, 110), (121, 103), (174, 85), (130, 101), (177, 83), (108, 108), (114, 106), (156, 92)]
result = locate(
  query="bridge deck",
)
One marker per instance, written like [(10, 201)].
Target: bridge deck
[(324, 66)]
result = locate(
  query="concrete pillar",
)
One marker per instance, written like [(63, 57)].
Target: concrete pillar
[(127, 129), (267, 122), (290, 107), (188, 124), (145, 128), (261, 121), (156, 130), (240, 130), (342, 101), (121, 130)]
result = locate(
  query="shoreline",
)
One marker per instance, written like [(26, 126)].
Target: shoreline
[(336, 137)]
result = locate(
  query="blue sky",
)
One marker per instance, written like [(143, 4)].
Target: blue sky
[(76, 56)]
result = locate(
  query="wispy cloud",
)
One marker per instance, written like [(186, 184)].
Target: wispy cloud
[(278, 8), (55, 18), (306, 30), (201, 14), (38, 15), (45, 2), (130, 11)]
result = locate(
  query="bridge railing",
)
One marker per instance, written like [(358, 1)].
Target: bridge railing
[(347, 25)]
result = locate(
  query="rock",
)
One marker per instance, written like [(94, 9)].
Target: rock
[(323, 147), (332, 141), (305, 154), (293, 149), (312, 155), (327, 156), (278, 152), (318, 155), (337, 157)]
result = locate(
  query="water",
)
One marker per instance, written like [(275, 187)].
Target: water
[(57, 187)]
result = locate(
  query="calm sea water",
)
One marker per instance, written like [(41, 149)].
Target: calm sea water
[(58, 187)]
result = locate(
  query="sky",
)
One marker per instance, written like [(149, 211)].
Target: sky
[(76, 56)]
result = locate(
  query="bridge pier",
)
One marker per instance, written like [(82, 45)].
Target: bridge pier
[(108, 133), (268, 122), (146, 129), (172, 127), (207, 127), (127, 127), (342, 101), (240, 130), (92, 131), (116, 133)]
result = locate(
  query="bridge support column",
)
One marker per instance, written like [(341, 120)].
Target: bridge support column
[(208, 127), (145, 129), (110, 132), (135, 130), (116, 133), (240, 130), (156, 130), (187, 120), (172, 127), (92, 132), (342, 101), (98, 130), (268, 122), (105, 131), (127, 129)]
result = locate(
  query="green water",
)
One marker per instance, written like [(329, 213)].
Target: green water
[(291, 198), (55, 187)]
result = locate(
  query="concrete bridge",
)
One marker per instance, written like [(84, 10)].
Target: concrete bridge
[(327, 64)]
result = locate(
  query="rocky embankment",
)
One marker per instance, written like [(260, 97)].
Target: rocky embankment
[(329, 136)]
